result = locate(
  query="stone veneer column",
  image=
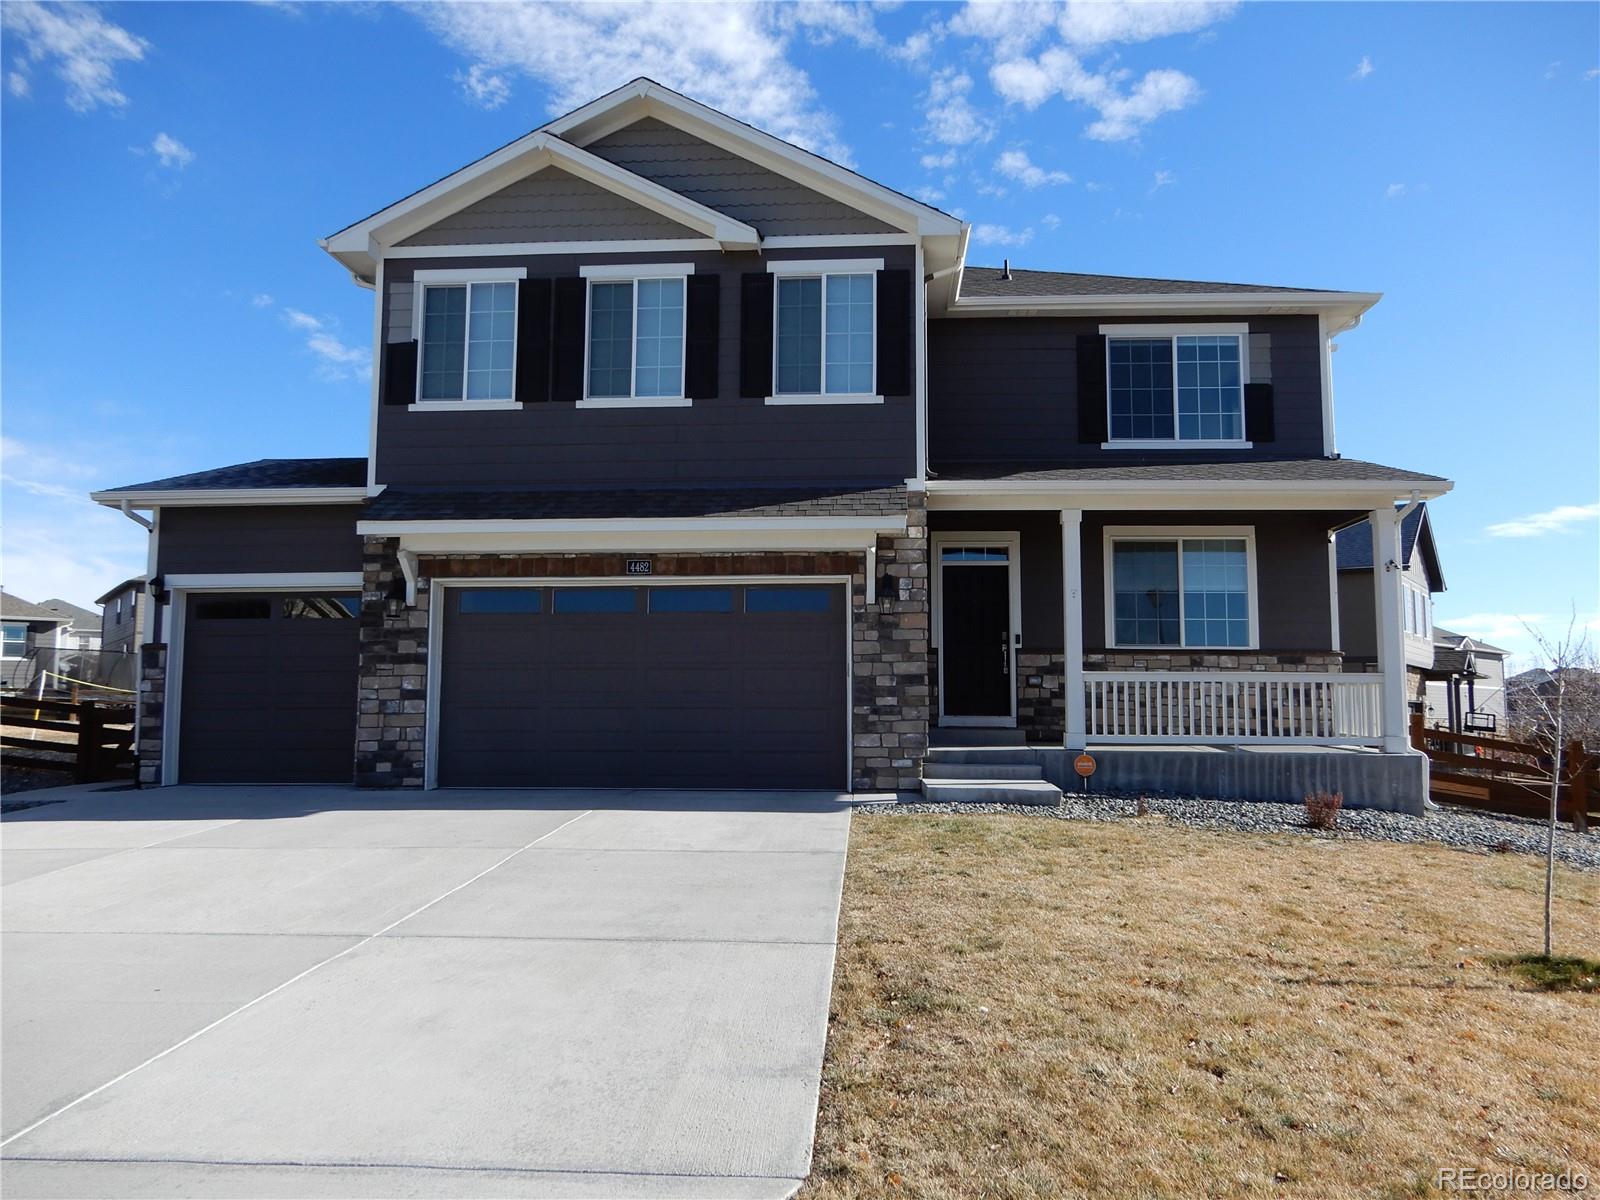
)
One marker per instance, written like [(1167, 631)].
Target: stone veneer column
[(892, 693), (152, 711), (393, 688)]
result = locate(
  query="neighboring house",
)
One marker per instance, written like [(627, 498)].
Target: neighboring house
[(122, 616), (1420, 577), (84, 631), (698, 460), (28, 628), (1466, 684)]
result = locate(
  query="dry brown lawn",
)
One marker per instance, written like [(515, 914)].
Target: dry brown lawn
[(1029, 1007)]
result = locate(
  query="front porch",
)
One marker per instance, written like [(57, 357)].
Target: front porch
[(1190, 647)]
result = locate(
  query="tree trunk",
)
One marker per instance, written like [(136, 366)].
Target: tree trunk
[(1550, 833)]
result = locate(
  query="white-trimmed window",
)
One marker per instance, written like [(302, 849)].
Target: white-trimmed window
[(634, 343), (1176, 384), (15, 641), (466, 327), (824, 336), (1418, 611), (1188, 589)]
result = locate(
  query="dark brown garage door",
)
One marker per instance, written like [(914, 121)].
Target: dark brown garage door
[(727, 686), (269, 688)]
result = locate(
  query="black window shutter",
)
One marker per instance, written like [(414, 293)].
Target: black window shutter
[(399, 372), (894, 333), (755, 335), (1092, 388), (704, 315), (1259, 419), (567, 330), (533, 341)]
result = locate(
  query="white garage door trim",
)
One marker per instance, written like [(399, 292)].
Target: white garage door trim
[(173, 618), (436, 638)]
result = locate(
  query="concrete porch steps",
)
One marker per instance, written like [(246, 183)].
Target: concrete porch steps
[(986, 775), (991, 791)]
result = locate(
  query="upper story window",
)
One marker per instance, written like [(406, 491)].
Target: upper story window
[(825, 332), (1176, 384), (1181, 591), (635, 344), (467, 336), (16, 641), (1418, 611)]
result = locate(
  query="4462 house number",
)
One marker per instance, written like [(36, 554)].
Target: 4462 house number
[(640, 566)]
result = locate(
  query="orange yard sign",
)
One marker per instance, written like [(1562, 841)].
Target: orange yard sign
[(1084, 765)]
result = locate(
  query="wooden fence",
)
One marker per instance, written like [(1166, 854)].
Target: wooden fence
[(1499, 775), (91, 740)]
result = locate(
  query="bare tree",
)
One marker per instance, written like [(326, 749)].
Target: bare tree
[(1552, 702)]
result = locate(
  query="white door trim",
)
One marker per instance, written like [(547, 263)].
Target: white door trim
[(437, 588), (179, 588), (938, 542)]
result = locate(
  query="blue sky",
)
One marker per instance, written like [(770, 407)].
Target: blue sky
[(167, 170)]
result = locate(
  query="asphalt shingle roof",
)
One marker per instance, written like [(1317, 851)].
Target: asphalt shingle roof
[(1354, 545), (12, 608), (819, 500), (81, 618), (1286, 470), (264, 473), (988, 281)]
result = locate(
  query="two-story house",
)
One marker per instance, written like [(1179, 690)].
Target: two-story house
[(122, 616), (699, 460)]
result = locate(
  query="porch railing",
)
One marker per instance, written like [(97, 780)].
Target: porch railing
[(1234, 707)]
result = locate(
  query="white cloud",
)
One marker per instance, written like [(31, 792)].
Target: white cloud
[(1592, 73), (71, 551), (825, 22), (991, 189), (1001, 235), (17, 84), (261, 300), (338, 359), (1099, 23), (483, 87), (1556, 520), (939, 162), (1050, 221), (171, 151), (1162, 179), (732, 56), (1015, 164), (79, 42), (1394, 191), (1554, 69), (1363, 68), (951, 118), (1123, 112)]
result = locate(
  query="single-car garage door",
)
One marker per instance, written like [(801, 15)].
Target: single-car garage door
[(716, 686), (269, 688)]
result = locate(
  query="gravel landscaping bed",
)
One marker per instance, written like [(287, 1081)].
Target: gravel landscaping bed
[(1481, 832)]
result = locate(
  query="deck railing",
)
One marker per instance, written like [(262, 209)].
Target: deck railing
[(1234, 707)]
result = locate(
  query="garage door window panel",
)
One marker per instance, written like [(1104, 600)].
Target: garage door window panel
[(788, 600), (596, 601), (501, 601), (691, 600)]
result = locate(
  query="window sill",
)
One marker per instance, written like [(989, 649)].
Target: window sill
[(1185, 650), (462, 405), (636, 402), (851, 398), (1177, 444)]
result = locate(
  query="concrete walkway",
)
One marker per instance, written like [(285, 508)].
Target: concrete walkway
[(320, 992)]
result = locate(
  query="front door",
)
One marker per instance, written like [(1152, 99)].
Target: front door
[(975, 680)]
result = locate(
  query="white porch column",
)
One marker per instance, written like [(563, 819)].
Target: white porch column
[(1072, 611), (1391, 643)]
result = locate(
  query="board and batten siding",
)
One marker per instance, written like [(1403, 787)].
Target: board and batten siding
[(720, 179), (257, 540), (1005, 389), (550, 205), (726, 439)]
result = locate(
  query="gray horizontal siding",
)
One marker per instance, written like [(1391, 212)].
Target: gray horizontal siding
[(1004, 389), (287, 537), (726, 439), (728, 183), (549, 206)]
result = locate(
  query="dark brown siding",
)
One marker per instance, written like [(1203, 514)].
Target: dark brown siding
[(1291, 572), (1004, 389), (721, 440), (288, 537)]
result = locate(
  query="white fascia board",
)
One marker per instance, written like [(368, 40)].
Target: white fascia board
[(216, 497), (643, 98), (1169, 494), (636, 541), (274, 581), (629, 527), (526, 156), (1345, 307), (534, 249)]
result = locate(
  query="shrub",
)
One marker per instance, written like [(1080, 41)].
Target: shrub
[(1322, 809)]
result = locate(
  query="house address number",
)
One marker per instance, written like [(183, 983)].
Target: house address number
[(640, 566)]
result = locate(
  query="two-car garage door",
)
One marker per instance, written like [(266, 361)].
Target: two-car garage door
[(702, 685)]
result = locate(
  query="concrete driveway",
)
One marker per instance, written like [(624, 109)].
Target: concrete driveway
[(322, 992)]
